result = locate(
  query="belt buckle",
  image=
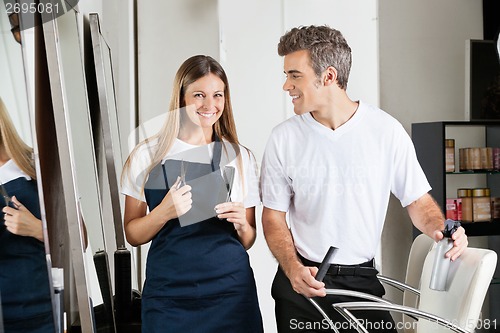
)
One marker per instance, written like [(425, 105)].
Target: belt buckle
[(338, 269)]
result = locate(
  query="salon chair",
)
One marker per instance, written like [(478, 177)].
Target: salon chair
[(420, 247), (418, 251), (456, 309)]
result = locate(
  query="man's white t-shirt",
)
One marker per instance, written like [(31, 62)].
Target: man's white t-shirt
[(335, 184), (246, 191)]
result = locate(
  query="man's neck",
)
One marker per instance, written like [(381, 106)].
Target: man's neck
[(337, 112)]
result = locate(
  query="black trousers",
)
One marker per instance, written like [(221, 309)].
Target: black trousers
[(294, 313)]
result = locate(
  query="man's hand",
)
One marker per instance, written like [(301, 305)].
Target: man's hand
[(460, 242), (428, 218), (303, 281)]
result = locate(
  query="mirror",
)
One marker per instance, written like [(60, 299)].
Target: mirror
[(110, 163), (25, 282), (82, 199)]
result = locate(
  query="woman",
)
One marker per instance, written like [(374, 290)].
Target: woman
[(198, 276), (24, 280)]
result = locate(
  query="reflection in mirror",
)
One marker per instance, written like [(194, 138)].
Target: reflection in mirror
[(78, 164), (25, 288)]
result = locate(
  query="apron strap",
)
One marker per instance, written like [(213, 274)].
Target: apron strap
[(217, 153), (165, 176), (216, 158)]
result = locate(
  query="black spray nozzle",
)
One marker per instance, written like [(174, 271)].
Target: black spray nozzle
[(450, 226)]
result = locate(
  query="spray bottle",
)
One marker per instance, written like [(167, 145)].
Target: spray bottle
[(441, 263)]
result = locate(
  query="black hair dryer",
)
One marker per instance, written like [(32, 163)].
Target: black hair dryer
[(441, 263)]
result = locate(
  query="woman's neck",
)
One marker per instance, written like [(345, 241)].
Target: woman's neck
[(197, 137)]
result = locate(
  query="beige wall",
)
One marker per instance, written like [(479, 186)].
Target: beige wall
[(422, 78)]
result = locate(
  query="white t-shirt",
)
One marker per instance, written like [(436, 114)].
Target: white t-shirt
[(335, 184), (246, 191)]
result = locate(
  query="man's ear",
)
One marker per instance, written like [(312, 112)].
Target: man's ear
[(330, 76)]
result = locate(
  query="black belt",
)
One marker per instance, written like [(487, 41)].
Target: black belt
[(364, 269)]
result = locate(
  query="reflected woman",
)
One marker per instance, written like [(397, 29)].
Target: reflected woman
[(24, 280), (198, 275)]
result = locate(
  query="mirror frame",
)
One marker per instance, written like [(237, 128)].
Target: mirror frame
[(66, 150), (109, 121)]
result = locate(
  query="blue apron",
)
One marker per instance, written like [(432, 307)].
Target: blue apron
[(24, 281), (198, 277)]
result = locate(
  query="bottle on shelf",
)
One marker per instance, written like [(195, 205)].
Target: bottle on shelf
[(450, 154), (481, 205), (465, 195)]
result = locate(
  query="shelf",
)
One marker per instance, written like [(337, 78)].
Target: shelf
[(482, 228), (465, 123), (429, 140), (479, 172)]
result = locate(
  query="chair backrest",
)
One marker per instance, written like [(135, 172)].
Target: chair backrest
[(420, 247), (467, 283)]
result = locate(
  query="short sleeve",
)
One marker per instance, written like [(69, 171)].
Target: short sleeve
[(135, 177), (246, 182), (275, 185), (409, 182)]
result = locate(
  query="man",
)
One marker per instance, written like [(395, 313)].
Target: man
[(332, 168)]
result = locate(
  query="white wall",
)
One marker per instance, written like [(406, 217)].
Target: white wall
[(168, 33), (358, 21), (255, 73)]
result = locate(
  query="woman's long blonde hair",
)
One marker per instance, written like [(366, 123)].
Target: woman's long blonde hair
[(191, 70), (15, 148)]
